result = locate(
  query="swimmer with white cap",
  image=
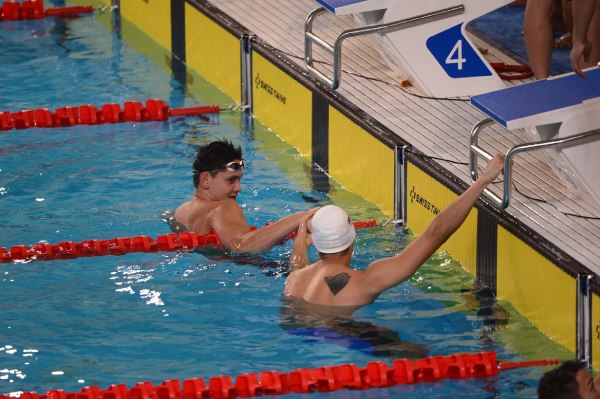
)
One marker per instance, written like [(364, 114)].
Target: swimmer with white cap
[(331, 282)]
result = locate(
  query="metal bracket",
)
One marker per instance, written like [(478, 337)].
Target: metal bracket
[(584, 329), (476, 151), (246, 70), (336, 48), (400, 185)]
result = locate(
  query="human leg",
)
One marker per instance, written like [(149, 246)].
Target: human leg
[(537, 34)]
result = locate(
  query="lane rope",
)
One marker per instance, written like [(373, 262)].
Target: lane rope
[(375, 374), (123, 245), (132, 111), (34, 9)]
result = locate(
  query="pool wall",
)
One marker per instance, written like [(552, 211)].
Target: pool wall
[(542, 282)]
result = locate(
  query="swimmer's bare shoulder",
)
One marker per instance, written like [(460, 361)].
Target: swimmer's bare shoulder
[(226, 214), (199, 216)]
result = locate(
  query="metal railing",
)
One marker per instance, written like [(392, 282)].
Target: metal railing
[(336, 48), (475, 151)]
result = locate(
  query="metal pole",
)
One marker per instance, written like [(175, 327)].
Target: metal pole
[(400, 185), (246, 71), (475, 150), (584, 307), (336, 48)]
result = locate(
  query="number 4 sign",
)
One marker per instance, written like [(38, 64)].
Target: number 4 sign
[(456, 55)]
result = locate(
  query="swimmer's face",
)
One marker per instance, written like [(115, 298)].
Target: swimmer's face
[(589, 388), (226, 184)]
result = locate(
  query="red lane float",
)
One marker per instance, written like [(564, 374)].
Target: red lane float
[(69, 11), (34, 9), (512, 72), (531, 363), (365, 224), (122, 246), (132, 111), (115, 246), (305, 380)]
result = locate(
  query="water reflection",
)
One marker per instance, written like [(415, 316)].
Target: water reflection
[(337, 326)]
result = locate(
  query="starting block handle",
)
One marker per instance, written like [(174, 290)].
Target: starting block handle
[(309, 39), (336, 50), (476, 151)]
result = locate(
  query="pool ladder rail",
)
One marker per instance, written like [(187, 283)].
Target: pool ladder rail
[(375, 374)]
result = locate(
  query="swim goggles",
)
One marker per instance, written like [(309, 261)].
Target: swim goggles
[(234, 166)]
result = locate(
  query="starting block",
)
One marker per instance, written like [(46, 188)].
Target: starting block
[(565, 110), (425, 39)]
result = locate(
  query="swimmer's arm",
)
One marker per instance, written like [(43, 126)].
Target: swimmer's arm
[(303, 239), (583, 10), (229, 223), (581, 47), (386, 273)]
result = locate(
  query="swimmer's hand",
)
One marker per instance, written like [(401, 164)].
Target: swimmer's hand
[(303, 240), (580, 53), (494, 168), (304, 232)]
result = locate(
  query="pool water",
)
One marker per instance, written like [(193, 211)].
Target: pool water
[(175, 315)]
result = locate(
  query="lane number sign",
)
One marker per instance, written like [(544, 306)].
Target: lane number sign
[(455, 54)]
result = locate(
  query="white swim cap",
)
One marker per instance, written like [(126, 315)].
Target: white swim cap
[(332, 230)]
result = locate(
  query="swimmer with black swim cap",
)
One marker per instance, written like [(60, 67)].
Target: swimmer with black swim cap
[(217, 175)]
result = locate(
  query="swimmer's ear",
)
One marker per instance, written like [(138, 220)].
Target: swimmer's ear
[(204, 178)]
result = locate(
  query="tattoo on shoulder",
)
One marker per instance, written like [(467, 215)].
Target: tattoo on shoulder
[(337, 282)]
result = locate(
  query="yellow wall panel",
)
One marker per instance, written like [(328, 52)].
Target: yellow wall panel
[(213, 52), (537, 288), (153, 17), (283, 104), (595, 322), (140, 41), (426, 197), (360, 162)]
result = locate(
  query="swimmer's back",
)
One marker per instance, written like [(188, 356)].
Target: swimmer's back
[(328, 286)]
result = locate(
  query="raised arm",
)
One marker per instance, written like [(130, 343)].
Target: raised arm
[(386, 273), (234, 232)]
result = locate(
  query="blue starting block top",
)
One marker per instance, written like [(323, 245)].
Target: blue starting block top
[(343, 7), (541, 102)]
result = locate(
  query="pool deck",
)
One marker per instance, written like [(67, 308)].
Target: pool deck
[(540, 199)]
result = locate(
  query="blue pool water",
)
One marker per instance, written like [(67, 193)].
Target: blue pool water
[(175, 315)]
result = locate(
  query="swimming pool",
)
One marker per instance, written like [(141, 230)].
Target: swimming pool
[(150, 317)]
